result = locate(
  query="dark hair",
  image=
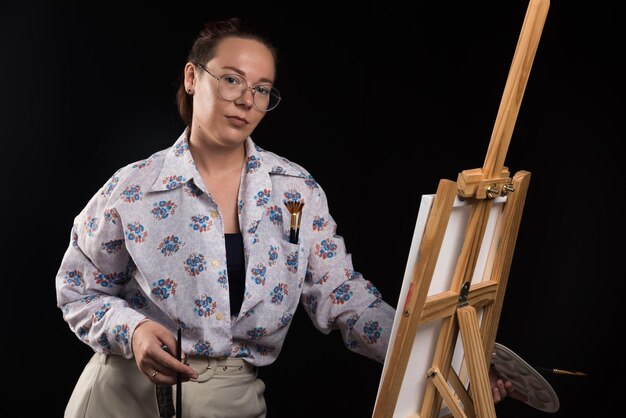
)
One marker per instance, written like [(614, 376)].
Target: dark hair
[(203, 50)]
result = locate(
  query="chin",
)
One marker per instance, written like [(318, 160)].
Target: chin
[(232, 141), (235, 136)]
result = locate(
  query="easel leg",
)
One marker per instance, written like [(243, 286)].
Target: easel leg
[(475, 359), (449, 398)]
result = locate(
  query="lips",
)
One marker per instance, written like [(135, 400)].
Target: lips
[(237, 121)]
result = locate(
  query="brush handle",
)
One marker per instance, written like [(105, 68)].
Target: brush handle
[(559, 371), (179, 383), (293, 232)]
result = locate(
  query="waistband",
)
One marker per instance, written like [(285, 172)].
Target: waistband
[(207, 367)]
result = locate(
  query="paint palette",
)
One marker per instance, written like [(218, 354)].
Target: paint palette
[(525, 379)]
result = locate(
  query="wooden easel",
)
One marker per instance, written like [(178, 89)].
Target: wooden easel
[(457, 307)]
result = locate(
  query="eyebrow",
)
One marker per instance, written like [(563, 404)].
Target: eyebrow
[(241, 73)]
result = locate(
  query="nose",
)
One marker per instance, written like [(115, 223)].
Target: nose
[(246, 99)]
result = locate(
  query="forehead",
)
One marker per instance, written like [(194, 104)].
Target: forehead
[(249, 56)]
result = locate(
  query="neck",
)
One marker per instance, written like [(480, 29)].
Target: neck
[(216, 159)]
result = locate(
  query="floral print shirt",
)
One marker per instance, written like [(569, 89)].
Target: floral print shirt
[(150, 244)]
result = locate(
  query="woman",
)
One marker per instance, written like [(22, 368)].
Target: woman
[(198, 237), (214, 237)]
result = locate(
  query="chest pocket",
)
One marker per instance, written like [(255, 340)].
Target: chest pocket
[(286, 270)]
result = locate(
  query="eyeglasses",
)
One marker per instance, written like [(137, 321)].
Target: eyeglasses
[(232, 87)]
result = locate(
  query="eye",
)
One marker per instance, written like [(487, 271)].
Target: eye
[(263, 90), (232, 80)]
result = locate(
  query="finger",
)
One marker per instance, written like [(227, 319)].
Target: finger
[(161, 378), (156, 376), (160, 375), (496, 395), (508, 387), (184, 370), (168, 343), (501, 387), (169, 365), (153, 362), (164, 360), (163, 356), (514, 393)]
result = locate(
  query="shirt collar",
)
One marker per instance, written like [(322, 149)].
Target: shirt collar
[(179, 167)]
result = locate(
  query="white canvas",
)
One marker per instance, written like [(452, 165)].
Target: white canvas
[(414, 382)]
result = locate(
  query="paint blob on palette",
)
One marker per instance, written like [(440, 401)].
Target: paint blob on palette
[(525, 379)]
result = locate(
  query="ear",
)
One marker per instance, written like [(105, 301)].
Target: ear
[(190, 77)]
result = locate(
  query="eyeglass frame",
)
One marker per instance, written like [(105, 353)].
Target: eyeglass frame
[(279, 97)]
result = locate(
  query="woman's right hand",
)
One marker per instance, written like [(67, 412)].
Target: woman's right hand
[(149, 343)]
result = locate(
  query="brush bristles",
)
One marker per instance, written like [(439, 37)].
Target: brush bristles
[(294, 207)]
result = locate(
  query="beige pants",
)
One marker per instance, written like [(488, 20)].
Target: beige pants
[(113, 387)]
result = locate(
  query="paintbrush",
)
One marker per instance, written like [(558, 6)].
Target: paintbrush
[(559, 371), (179, 382), (295, 210)]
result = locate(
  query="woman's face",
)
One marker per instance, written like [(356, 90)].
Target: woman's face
[(228, 123)]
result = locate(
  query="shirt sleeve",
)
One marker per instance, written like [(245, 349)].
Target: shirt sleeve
[(337, 297), (93, 271)]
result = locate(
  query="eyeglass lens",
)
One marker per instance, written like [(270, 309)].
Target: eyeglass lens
[(232, 87)]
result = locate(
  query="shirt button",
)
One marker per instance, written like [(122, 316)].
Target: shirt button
[(213, 214), (219, 316), (214, 263)]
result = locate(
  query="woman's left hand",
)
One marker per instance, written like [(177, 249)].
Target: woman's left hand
[(501, 389)]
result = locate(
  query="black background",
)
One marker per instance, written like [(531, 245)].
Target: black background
[(381, 101)]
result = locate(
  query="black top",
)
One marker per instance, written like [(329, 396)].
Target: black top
[(236, 266)]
